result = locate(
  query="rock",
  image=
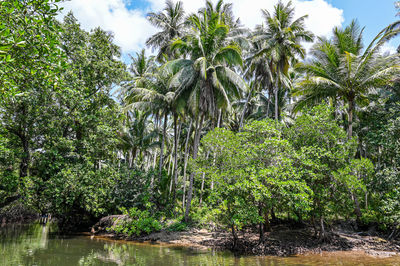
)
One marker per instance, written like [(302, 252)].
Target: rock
[(107, 222)]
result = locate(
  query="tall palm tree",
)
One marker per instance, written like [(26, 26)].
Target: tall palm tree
[(140, 69), (171, 22), (137, 137), (342, 69), (207, 80), (155, 97), (281, 39), (259, 71)]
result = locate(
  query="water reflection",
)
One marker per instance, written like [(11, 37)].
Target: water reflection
[(40, 245)]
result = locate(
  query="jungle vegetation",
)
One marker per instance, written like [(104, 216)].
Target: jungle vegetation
[(223, 125)]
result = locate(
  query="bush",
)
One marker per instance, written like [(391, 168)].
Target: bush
[(137, 223), (178, 226)]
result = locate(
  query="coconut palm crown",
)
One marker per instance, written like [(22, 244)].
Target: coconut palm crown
[(342, 69)]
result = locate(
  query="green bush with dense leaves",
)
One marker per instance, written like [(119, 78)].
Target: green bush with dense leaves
[(137, 223)]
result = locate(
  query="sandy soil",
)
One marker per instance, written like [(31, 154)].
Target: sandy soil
[(282, 241)]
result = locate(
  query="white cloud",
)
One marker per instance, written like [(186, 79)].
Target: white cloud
[(131, 28), (322, 15), (388, 48)]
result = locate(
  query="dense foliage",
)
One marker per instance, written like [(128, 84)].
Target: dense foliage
[(225, 126)]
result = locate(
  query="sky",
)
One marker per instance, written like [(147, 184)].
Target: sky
[(127, 18)]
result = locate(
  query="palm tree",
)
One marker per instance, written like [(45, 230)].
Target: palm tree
[(281, 39), (259, 71), (207, 80), (171, 23), (137, 137), (140, 69), (342, 69), (155, 97)]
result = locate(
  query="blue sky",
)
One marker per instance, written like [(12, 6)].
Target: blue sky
[(373, 14), (127, 18)]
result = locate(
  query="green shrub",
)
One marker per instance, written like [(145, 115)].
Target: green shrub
[(178, 226), (138, 223)]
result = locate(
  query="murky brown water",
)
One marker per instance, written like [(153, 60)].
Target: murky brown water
[(37, 245)]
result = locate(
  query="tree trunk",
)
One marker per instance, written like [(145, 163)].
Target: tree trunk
[(273, 216), (357, 209), (162, 146), (195, 150), (267, 224), (276, 99), (24, 165), (176, 138), (322, 228), (219, 118), (170, 165), (202, 182), (261, 225), (234, 235), (154, 160), (269, 101), (201, 189), (350, 113), (185, 163), (244, 110)]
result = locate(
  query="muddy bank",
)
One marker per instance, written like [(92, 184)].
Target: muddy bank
[(282, 241)]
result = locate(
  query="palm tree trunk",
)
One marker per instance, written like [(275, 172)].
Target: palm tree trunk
[(185, 162), (357, 209), (201, 189), (154, 160), (219, 118), (350, 113), (162, 146), (133, 157), (130, 159), (276, 99), (169, 165), (202, 183), (269, 101), (148, 162), (176, 138), (244, 110), (195, 150)]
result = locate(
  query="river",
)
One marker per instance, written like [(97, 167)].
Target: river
[(41, 245)]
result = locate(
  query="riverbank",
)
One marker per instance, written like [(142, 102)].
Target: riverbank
[(281, 241), (17, 213)]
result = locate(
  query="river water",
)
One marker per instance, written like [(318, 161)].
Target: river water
[(40, 245)]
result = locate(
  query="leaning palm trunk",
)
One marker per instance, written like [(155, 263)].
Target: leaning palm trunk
[(185, 163), (162, 146), (195, 150)]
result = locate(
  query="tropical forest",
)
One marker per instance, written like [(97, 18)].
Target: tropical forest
[(272, 140)]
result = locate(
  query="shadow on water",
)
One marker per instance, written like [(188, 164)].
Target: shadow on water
[(37, 244)]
